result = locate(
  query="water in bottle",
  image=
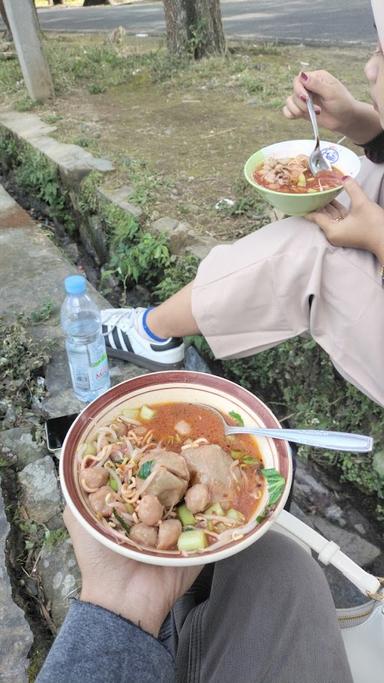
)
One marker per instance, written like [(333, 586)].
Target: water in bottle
[(80, 320)]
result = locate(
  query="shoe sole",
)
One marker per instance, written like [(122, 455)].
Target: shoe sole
[(142, 362)]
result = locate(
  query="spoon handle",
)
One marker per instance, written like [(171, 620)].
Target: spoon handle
[(313, 118), (336, 441)]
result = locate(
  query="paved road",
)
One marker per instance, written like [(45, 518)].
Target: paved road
[(292, 20)]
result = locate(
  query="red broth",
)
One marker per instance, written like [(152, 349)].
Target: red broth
[(204, 423), (112, 475), (293, 176)]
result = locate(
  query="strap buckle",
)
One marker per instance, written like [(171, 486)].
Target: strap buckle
[(379, 595)]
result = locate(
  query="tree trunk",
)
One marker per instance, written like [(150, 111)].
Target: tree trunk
[(194, 26), (177, 26), (91, 3), (206, 28)]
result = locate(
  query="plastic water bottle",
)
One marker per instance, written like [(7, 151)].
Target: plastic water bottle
[(80, 320)]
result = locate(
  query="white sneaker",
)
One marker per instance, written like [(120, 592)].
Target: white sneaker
[(123, 341)]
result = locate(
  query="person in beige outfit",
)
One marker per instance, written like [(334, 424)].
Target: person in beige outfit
[(320, 275)]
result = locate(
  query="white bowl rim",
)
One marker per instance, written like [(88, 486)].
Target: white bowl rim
[(320, 193), (178, 561)]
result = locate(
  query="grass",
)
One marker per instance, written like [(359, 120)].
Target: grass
[(177, 131)]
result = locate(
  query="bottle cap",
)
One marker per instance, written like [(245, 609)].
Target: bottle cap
[(75, 284)]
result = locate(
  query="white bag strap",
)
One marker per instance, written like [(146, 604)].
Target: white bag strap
[(330, 553)]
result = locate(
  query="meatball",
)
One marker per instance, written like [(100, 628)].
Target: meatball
[(98, 501), (169, 532), (93, 477), (144, 535), (150, 510), (197, 498)]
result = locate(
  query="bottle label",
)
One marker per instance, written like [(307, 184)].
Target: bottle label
[(89, 368), (98, 364)]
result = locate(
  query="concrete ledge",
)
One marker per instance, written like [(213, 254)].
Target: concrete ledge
[(120, 197), (73, 162)]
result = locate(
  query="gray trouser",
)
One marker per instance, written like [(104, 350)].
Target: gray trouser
[(263, 616)]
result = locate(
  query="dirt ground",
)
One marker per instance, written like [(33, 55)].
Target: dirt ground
[(194, 128)]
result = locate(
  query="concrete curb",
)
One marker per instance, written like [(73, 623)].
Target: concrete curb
[(74, 163)]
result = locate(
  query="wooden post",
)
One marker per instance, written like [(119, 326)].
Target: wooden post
[(5, 20), (24, 25)]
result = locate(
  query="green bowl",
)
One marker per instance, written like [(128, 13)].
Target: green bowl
[(300, 204)]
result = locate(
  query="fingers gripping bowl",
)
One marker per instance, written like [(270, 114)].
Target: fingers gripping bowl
[(308, 198), (149, 475)]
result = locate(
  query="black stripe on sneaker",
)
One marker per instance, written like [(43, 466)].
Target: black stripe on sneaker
[(104, 329), (116, 339), (127, 343), (173, 343)]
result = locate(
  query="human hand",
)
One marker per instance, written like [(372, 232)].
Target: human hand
[(336, 108), (360, 227), (142, 593)]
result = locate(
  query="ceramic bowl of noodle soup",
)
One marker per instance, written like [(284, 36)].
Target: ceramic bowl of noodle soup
[(148, 471), (280, 174)]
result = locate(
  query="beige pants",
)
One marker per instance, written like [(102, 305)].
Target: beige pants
[(286, 280)]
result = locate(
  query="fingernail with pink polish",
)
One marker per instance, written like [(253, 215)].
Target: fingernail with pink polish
[(303, 76), (304, 98), (345, 177)]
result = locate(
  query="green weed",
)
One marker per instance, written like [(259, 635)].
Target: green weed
[(96, 88), (82, 141), (164, 66), (141, 261), (22, 361), (135, 255), (286, 375), (144, 181), (54, 536), (52, 118), (26, 104), (43, 313), (179, 272), (8, 151), (37, 177)]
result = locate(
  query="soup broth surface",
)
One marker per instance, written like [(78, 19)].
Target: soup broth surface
[(292, 175), (166, 477)]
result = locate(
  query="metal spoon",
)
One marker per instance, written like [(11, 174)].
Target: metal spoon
[(316, 161), (335, 441)]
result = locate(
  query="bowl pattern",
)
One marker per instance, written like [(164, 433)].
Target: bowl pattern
[(300, 204), (161, 387)]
